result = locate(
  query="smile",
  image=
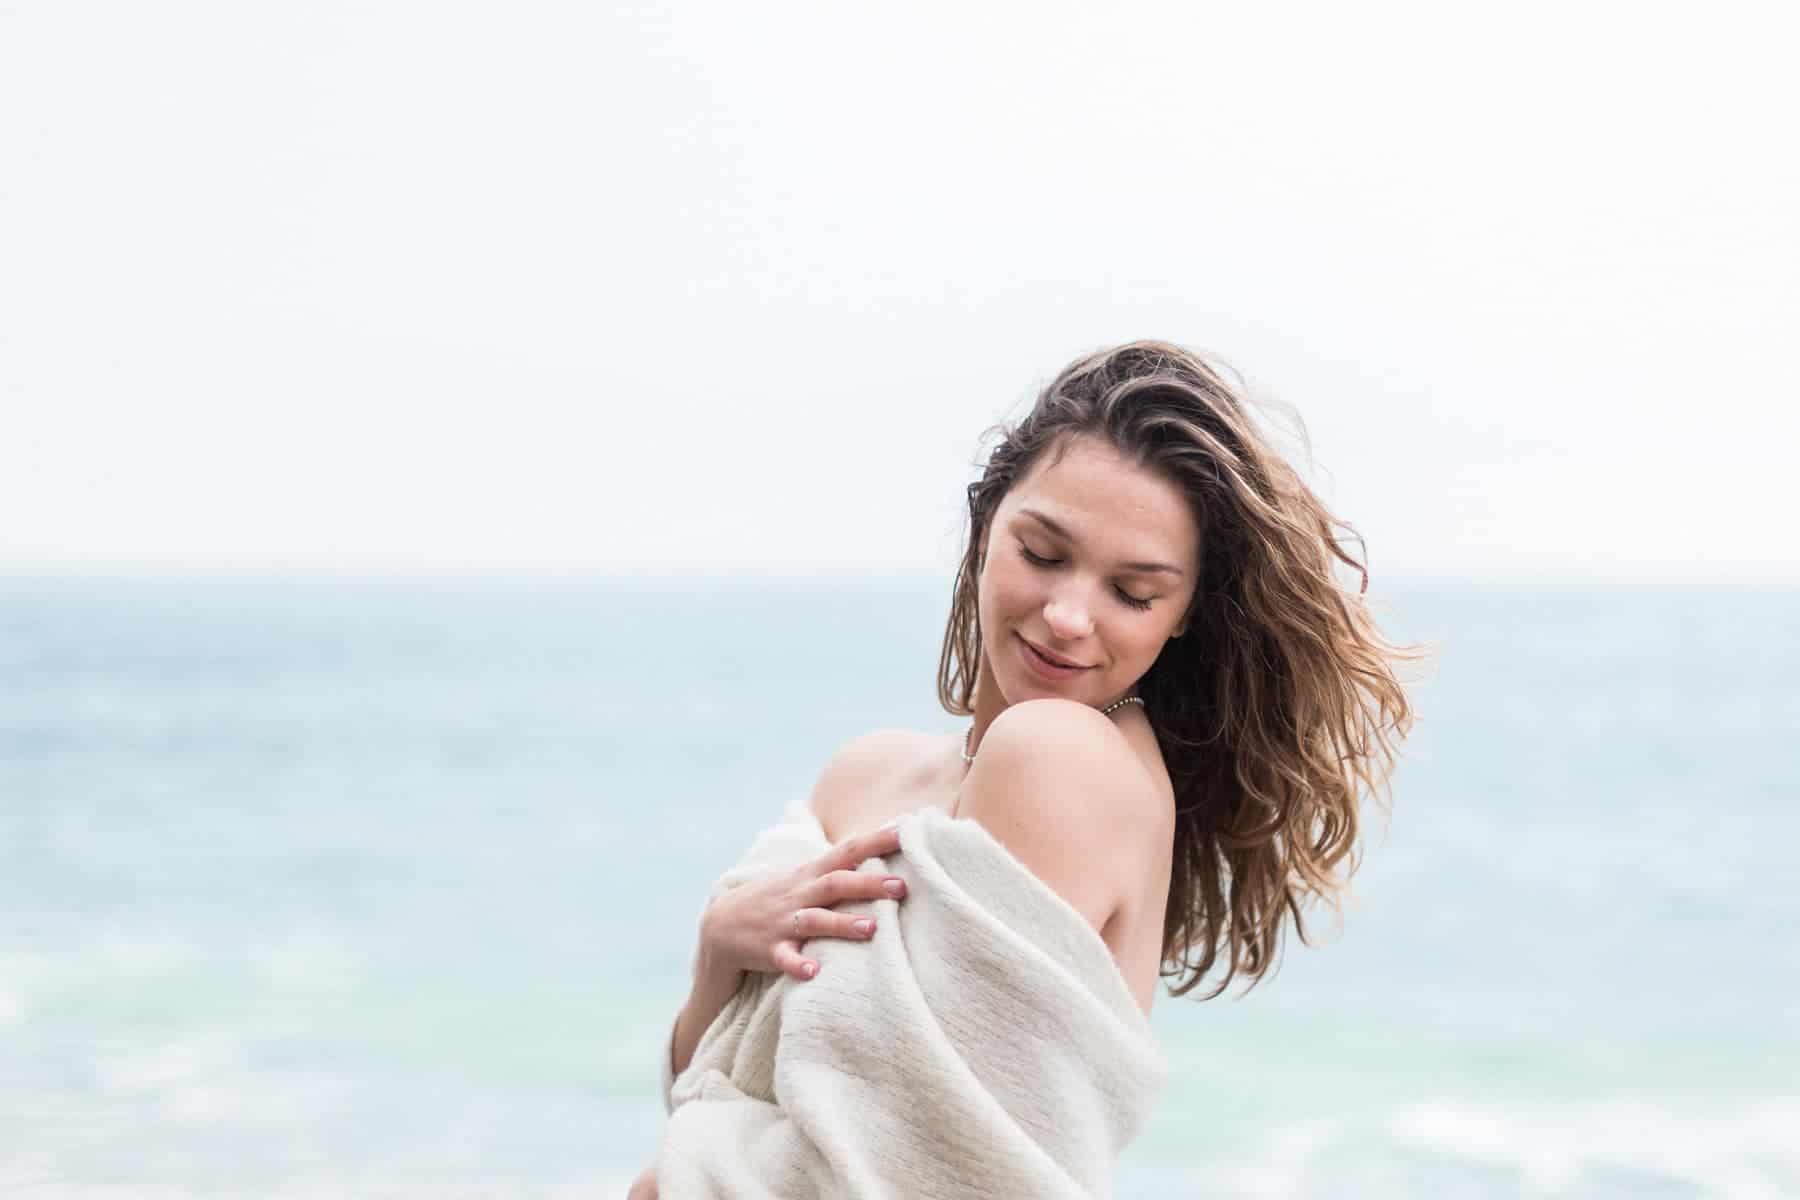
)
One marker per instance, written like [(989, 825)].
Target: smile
[(1045, 666)]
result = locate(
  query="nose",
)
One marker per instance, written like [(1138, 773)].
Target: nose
[(1067, 619)]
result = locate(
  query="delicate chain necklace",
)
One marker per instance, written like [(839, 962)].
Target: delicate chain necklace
[(969, 758)]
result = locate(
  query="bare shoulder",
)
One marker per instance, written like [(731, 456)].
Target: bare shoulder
[(1060, 786), (1060, 733), (857, 784)]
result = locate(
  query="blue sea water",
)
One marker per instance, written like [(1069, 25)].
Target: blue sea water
[(318, 888)]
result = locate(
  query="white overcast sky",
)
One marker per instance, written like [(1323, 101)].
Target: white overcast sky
[(726, 286)]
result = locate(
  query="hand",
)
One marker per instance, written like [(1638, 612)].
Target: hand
[(644, 1186), (752, 927)]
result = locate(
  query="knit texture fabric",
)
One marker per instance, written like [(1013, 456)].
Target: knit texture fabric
[(982, 1043)]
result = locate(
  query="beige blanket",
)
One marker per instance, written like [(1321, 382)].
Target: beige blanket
[(983, 1043)]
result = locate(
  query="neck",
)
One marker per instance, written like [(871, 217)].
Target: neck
[(989, 704)]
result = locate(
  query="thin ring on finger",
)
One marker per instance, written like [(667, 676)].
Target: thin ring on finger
[(796, 923)]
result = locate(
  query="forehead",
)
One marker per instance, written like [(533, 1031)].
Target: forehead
[(1087, 486)]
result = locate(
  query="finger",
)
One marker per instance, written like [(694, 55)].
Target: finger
[(822, 922), (876, 843), (804, 923), (850, 926), (839, 886), (789, 961)]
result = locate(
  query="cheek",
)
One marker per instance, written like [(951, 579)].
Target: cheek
[(1138, 642), (1000, 598), (1147, 648), (1007, 587)]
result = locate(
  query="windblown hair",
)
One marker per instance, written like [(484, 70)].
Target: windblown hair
[(1278, 708)]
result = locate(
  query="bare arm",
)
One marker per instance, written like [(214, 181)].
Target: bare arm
[(751, 928), (713, 989)]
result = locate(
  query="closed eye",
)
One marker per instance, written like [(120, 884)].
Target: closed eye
[(1124, 596)]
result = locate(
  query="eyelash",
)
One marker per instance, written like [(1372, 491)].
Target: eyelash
[(1124, 597)]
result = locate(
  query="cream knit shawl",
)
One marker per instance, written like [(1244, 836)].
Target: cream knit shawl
[(983, 1043)]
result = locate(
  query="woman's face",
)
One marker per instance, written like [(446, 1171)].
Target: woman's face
[(1091, 560)]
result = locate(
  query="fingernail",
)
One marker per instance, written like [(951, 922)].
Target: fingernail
[(809, 970), (895, 888), (863, 927)]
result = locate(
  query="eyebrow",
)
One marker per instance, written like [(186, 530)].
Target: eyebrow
[(1141, 568)]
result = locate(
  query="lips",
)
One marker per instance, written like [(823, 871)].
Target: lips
[(1048, 661)]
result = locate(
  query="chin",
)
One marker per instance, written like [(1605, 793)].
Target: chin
[(1025, 686), (1016, 686), (1031, 689)]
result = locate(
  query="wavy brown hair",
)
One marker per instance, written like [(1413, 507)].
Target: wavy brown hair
[(1278, 708)]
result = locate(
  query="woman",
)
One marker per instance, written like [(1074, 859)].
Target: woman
[(1175, 706)]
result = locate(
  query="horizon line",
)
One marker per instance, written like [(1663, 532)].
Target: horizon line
[(1703, 577)]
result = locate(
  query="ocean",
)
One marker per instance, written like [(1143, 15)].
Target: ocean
[(323, 887)]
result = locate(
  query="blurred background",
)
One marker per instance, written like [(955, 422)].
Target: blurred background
[(465, 468)]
